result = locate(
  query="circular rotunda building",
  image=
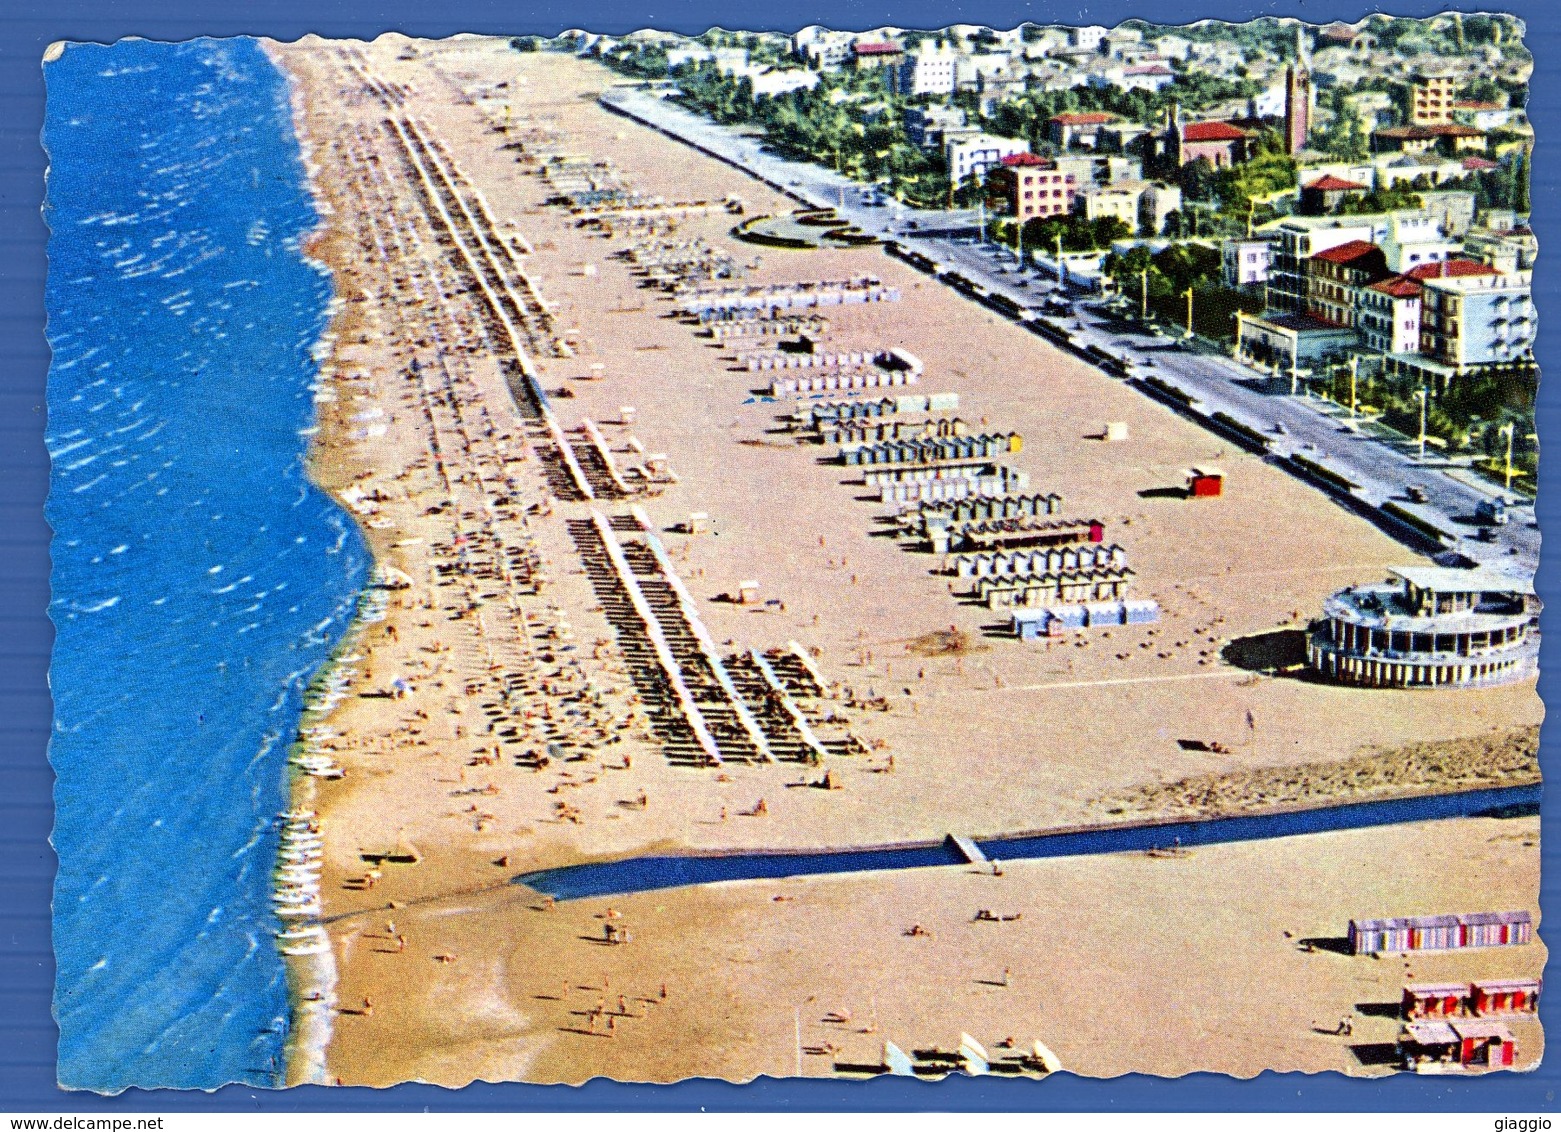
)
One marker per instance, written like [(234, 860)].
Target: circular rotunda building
[(1429, 626)]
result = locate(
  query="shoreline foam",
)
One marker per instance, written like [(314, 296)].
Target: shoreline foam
[(312, 979)]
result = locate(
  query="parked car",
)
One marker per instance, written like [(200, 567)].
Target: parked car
[(1415, 493), (1492, 512)]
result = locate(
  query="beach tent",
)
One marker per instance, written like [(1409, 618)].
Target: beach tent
[(895, 1061), (973, 1056), (1045, 1057)]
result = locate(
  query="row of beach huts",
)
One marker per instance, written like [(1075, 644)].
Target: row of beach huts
[(950, 488), (1455, 1027), (1440, 933)]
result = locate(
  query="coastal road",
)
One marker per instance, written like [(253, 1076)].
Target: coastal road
[(1302, 426)]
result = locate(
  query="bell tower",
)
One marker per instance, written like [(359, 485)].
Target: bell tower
[(1298, 96)]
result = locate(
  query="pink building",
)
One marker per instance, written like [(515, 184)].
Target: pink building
[(1033, 186)]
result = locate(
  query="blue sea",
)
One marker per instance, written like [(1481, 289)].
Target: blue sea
[(199, 579)]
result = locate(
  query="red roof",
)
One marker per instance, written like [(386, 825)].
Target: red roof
[(1331, 184), (1477, 163), (1422, 133), (1148, 69), (1211, 131), (1450, 269), (1347, 252), (1025, 159), (876, 49), (1091, 119), (1400, 287)]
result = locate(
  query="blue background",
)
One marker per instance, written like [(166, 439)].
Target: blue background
[(27, 1033)]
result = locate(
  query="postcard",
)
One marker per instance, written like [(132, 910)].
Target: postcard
[(831, 554)]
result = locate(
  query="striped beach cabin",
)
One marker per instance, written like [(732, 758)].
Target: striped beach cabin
[(1440, 933)]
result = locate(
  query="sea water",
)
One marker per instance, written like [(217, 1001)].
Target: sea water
[(199, 579)]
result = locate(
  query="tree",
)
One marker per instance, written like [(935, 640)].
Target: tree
[(1380, 200), (1078, 234), (1346, 135), (1520, 195), (1198, 179), (1484, 89), (1127, 267), (971, 189)]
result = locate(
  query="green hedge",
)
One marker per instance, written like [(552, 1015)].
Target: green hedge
[(1237, 427), (1169, 390), (1409, 518), (1324, 473)]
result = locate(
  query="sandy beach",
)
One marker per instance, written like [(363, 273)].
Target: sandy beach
[(491, 718)]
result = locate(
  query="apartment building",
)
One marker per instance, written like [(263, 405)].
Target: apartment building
[(1033, 187), (1469, 321)]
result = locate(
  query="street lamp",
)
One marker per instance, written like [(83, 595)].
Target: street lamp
[(1188, 293), (1507, 430), (1062, 268), (1354, 375), (1421, 395), (1143, 295)]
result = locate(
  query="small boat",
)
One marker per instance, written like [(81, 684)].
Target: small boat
[(316, 947), (308, 931), (310, 909), (318, 766)]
